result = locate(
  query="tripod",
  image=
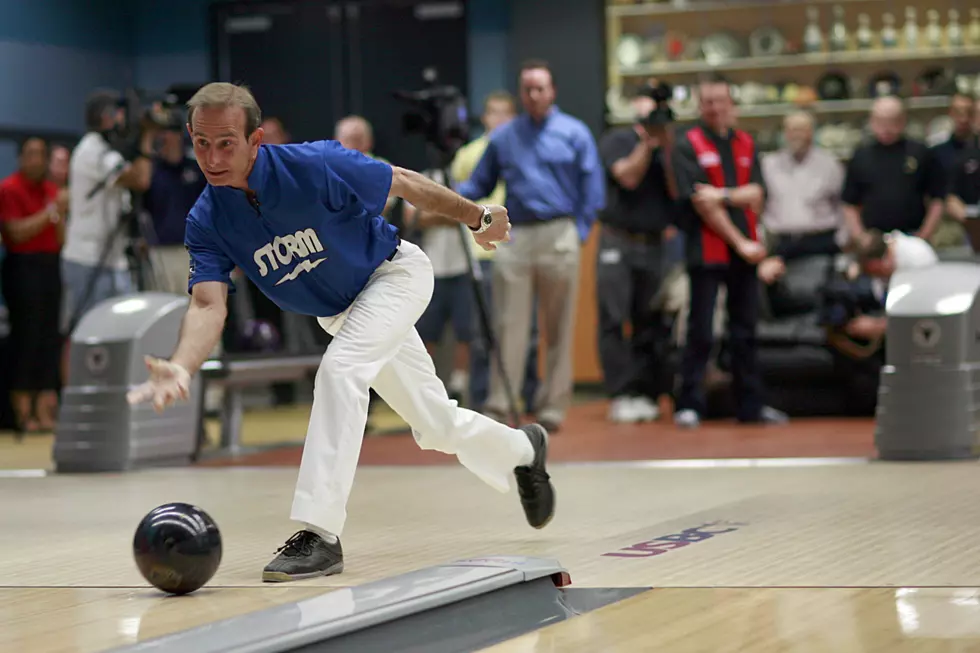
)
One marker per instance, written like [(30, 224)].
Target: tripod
[(475, 273)]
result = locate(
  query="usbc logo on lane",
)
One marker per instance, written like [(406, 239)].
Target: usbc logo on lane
[(686, 537)]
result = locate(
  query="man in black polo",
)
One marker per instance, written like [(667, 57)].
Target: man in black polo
[(963, 197), (892, 183), (630, 266), (721, 191)]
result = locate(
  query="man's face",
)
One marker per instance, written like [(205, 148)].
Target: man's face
[(273, 133), (537, 92), (882, 268), (34, 159), (353, 136), (497, 113), (715, 101), (961, 111), (887, 125), (798, 135), (223, 152), (58, 167)]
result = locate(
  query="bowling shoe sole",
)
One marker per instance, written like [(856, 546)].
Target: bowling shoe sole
[(283, 577)]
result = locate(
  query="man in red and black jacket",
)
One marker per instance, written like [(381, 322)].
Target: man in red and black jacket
[(721, 191)]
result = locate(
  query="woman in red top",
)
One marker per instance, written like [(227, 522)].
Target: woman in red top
[(32, 224)]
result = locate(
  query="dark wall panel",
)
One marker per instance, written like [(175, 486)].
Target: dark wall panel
[(570, 34)]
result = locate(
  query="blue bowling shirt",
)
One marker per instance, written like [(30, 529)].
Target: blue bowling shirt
[(309, 237)]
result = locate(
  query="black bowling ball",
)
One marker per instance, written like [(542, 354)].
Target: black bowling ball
[(177, 548)]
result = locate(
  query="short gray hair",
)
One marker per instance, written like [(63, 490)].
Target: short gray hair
[(223, 95)]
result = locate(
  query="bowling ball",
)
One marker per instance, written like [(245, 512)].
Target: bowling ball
[(259, 336), (177, 548)]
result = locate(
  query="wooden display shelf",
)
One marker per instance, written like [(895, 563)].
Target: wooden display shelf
[(801, 60), (668, 8), (823, 107)]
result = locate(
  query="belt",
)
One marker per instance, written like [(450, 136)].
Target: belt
[(394, 251), (634, 236)]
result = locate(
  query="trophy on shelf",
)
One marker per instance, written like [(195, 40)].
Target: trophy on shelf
[(812, 36), (954, 33), (838, 31), (864, 36), (889, 35), (911, 29), (934, 31)]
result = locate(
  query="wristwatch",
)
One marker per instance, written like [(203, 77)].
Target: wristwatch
[(485, 221)]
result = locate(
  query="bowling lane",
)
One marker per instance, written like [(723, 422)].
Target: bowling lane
[(893, 620), (88, 620)]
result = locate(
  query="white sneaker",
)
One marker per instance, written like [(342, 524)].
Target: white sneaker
[(687, 419), (622, 410), (645, 410)]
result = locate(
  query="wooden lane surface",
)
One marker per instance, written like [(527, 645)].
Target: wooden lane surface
[(80, 620), (756, 620), (867, 525)]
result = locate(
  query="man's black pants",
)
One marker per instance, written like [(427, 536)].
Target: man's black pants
[(629, 274), (742, 285)]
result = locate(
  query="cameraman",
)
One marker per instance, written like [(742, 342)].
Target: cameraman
[(630, 261), (853, 302), (95, 221)]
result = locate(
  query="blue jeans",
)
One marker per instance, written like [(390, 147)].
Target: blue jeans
[(480, 359), (76, 277)]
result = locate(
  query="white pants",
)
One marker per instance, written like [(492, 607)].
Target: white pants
[(375, 345)]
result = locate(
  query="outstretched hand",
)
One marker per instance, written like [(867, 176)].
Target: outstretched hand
[(499, 230), (168, 382)]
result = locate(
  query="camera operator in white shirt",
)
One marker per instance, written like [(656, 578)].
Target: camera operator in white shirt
[(93, 261)]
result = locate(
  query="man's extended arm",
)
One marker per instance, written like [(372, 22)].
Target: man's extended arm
[(203, 323), (427, 195)]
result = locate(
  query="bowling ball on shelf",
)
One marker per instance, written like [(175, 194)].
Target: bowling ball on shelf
[(260, 336), (177, 548)]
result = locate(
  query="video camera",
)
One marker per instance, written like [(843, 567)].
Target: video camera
[(661, 93), (842, 300), (441, 116), (163, 110)]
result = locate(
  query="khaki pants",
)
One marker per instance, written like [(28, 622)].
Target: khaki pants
[(541, 259), (171, 266)]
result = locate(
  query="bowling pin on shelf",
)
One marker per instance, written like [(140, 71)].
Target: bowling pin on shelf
[(973, 32), (889, 35), (812, 36), (838, 31), (954, 33), (864, 36), (934, 32), (911, 29)]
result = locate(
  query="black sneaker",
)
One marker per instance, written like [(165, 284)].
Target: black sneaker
[(533, 483), (304, 555)]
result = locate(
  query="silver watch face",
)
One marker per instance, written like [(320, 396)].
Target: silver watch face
[(487, 219)]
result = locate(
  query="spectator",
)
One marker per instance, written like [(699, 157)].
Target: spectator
[(95, 227), (175, 185), (355, 133), (58, 168), (803, 184), (721, 190), (963, 196), (555, 188), (631, 265), (961, 113), (274, 132), (498, 108), (893, 182), (32, 223)]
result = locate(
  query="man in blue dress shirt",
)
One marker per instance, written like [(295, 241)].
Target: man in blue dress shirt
[(303, 222), (555, 188)]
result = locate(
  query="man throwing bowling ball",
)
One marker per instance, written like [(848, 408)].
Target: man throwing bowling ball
[(303, 222)]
